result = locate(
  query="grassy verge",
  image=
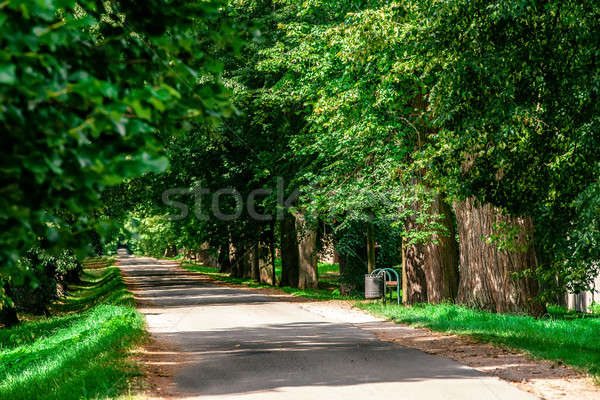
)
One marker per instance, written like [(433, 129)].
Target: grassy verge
[(326, 291), (328, 273), (574, 341), (81, 351)]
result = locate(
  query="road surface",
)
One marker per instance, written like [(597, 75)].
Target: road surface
[(242, 344)]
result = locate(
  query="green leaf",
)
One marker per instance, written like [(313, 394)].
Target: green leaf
[(8, 74)]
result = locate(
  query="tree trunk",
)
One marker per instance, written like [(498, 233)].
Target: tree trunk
[(441, 259), (235, 259), (341, 260), (289, 251), (487, 274), (414, 272), (243, 262), (308, 276), (265, 263), (8, 314), (170, 251), (370, 249), (252, 258), (432, 268), (224, 260)]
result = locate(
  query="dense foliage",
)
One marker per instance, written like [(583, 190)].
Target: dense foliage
[(513, 97), (88, 93), (375, 108), (45, 278), (380, 114)]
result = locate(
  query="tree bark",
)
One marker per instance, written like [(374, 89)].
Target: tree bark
[(441, 258), (265, 263), (308, 275), (243, 262), (432, 268), (170, 251), (341, 260), (224, 260), (253, 261), (370, 249), (235, 257), (414, 271), (487, 278), (289, 251)]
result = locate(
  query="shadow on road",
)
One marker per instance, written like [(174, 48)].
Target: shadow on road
[(231, 342)]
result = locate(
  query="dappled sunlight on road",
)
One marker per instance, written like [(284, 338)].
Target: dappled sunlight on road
[(228, 342)]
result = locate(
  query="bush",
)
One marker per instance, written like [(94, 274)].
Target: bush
[(44, 277)]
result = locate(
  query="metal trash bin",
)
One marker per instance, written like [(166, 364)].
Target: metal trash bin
[(373, 287)]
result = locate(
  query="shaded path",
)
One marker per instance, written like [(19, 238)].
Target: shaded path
[(241, 344)]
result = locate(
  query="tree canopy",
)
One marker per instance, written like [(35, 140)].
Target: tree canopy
[(401, 125)]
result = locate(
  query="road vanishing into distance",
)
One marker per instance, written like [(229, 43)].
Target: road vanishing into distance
[(226, 342)]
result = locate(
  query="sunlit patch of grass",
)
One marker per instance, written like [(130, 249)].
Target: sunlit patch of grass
[(574, 341), (324, 292), (81, 352), (328, 273), (97, 286)]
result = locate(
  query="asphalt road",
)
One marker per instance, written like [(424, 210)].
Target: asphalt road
[(241, 344)]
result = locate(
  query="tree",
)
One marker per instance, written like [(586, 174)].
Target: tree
[(494, 252), (88, 90), (343, 64), (289, 251), (514, 121), (308, 273)]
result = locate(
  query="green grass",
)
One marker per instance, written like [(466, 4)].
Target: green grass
[(81, 352), (326, 290), (328, 273), (560, 336)]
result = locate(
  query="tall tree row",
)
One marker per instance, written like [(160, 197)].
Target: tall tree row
[(451, 137), (88, 92), (458, 139)]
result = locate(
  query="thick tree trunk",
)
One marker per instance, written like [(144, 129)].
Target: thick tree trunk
[(170, 251), (487, 274), (414, 274), (265, 263), (224, 260), (432, 268), (441, 258), (207, 255), (243, 262), (370, 249), (289, 251), (235, 259), (308, 276)]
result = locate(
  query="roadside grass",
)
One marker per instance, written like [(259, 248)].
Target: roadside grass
[(559, 336), (81, 351), (326, 290), (328, 273)]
